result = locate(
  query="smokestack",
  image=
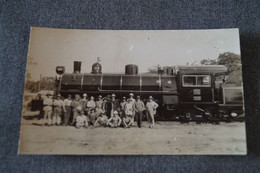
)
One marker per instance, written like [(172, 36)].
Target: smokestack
[(77, 67)]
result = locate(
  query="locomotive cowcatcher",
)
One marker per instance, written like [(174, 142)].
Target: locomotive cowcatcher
[(182, 92)]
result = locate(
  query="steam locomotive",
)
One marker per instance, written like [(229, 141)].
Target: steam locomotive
[(182, 92)]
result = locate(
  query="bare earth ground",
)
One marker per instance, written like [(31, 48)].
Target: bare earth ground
[(165, 138)]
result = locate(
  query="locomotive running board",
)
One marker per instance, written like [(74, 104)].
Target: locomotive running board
[(127, 91)]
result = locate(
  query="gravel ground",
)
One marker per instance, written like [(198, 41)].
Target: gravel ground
[(165, 138)]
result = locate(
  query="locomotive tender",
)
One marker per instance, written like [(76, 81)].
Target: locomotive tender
[(182, 92)]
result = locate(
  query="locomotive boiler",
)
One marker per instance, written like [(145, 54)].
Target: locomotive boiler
[(182, 92)]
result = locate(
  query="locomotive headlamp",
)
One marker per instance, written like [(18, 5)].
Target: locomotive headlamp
[(233, 114), (60, 70)]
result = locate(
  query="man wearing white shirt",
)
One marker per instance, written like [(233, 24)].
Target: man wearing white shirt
[(67, 103)]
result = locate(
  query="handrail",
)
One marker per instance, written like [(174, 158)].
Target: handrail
[(137, 91)]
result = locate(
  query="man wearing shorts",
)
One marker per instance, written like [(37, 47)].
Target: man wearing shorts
[(114, 121), (101, 120), (81, 120)]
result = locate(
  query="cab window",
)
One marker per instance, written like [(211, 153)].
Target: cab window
[(189, 80), (196, 80)]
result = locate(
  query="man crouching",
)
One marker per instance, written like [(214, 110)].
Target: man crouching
[(81, 120), (101, 120), (114, 121)]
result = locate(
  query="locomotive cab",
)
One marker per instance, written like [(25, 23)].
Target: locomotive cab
[(196, 87)]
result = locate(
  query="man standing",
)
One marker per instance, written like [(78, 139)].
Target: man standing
[(129, 111), (122, 107), (91, 104), (139, 108), (47, 108), (99, 103), (151, 107), (115, 104), (131, 97), (108, 106), (84, 102), (58, 106), (75, 104), (67, 103)]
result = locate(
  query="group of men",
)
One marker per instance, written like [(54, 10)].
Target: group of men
[(107, 111)]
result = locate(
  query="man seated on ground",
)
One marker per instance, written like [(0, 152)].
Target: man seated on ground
[(92, 117), (101, 120), (127, 121), (114, 121), (81, 120)]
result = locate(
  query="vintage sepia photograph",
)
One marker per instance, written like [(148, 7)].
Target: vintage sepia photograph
[(133, 92)]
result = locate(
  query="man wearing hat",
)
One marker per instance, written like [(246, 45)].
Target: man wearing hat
[(47, 108), (115, 104), (84, 102), (151, 107), (108, 106), (129, 113), (122, 107), (99, 103), (75, 104), (139, 108), (131, 97), (114, 120), (91, 104), (58, 106), (67, 103)]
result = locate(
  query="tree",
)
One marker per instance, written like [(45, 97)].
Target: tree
[(231, 60), (208, 62), (233, 63), (153, 69)]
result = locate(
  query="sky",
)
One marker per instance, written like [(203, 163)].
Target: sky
[(49, 48)]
